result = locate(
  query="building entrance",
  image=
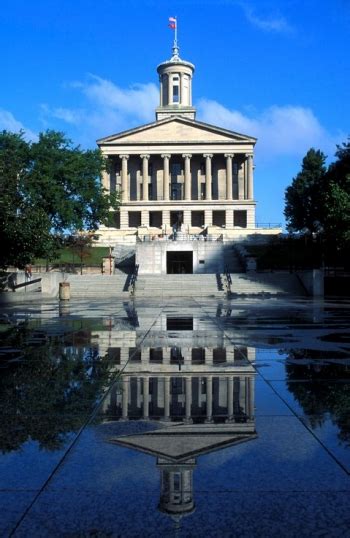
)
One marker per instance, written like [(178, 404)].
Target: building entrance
[(179, 262)]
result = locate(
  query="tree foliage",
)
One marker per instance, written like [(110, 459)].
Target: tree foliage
[(49, 187), (318, 200), (304, 204)]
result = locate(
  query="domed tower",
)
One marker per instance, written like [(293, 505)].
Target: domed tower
[(175, 78)]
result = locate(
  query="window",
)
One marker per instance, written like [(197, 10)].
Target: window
[(155, 219), (156, 355), (240, 218), (175, 94), (134, 219), (150, 191), (219, 218), (114, 220), (197, 218), (198, 355)]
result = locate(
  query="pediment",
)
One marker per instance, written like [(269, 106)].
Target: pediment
[(176, 130), (180, 445)]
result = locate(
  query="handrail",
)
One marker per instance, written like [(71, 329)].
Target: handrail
[(133, 279), (228, 279)]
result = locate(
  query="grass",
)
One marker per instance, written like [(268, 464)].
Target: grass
[(92, 256)]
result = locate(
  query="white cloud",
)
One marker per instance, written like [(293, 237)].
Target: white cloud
[(139, 100), (281, 130), (276, 23), (9, 123), (108, 108)]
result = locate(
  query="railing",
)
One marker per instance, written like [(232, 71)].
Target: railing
[(227, 280), (179, 236), (268, 225), (133, 280)]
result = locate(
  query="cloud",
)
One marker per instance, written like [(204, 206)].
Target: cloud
[(282, 130), (107, 108), (139, 100), (9, 123), (268, 23)]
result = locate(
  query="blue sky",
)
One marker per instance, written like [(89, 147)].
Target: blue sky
[(277, 70)]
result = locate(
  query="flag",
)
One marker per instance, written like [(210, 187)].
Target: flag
[(172, 23)]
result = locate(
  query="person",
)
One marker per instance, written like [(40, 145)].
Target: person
[(28, 272)]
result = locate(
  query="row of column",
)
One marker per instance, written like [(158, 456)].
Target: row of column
[(248, 403), (187, 176)]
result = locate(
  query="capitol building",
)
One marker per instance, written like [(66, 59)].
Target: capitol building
[(179, 178)]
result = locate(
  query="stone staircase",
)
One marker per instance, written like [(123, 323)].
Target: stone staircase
[(199, 285), (99, 286), (279, 283)]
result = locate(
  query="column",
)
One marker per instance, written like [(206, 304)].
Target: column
[(145, 176), (208, 177), (125, 401), (145, 398), (166, 177), (188, 399), (125, 193), (106, 180), (241, 176), (229, 157), (209, 400), (230, 416), (187, 158), (250, 194), (138, 393), (166, 398)]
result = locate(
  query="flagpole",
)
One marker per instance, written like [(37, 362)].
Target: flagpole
[(175, 39)]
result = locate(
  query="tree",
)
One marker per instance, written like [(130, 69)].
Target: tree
[(304, 199), (49, 187), (337, 199)]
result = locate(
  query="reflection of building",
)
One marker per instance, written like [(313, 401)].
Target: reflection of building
[(198, 387)]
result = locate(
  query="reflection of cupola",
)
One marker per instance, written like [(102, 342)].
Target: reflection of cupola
[(175, 77), (176, 498)]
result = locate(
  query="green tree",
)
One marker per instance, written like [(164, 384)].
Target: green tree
[(304, 198), (337, 198), (49, 187)]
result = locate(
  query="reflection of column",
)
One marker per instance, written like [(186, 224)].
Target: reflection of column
[(209, 399), (208, 176), (250, 389), (229, 157), (188, 398), (230, 399), (187, 158), (145, 176), (125, 401), (166, 178), (125, 194), (138, 393), (167, 398), (145, 398), (250, 195)]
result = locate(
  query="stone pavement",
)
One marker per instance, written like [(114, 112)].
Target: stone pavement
[(175, 418)]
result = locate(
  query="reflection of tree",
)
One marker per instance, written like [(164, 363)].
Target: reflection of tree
[(49, 394), (322, 396)]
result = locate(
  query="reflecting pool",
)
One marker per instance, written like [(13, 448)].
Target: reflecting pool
[(180, 418)]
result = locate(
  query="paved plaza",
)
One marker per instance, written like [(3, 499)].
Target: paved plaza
[(200, 417)]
